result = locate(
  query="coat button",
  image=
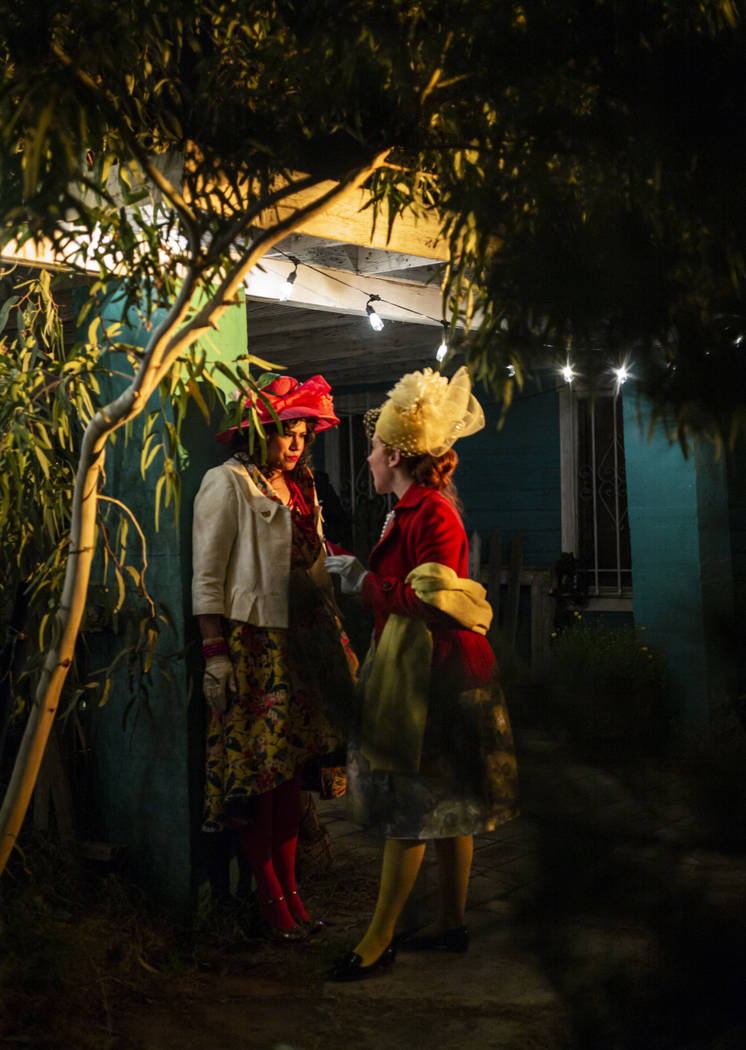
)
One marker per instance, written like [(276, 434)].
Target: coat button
[(386, 585)]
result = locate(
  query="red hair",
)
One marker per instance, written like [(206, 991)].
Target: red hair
[(434, 472)]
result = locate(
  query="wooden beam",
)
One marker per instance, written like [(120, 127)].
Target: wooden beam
[(373, 260), (320, 251), (350, 221)]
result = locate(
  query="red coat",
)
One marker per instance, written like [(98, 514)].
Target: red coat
[(426, 528)]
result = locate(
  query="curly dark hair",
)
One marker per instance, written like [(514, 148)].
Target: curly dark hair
[(239, 444)]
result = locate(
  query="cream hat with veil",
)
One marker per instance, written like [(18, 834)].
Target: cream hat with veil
[(427, 413)]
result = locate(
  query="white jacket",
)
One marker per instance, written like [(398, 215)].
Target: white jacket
[(241, 549)]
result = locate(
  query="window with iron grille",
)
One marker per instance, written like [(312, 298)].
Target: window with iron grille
[(595, 522)]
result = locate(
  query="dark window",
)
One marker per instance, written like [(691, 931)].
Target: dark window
[(603, 524)]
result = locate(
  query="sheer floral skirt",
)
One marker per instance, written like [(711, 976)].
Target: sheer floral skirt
[(467, 782)]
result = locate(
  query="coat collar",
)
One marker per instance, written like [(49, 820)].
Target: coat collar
[(414, 495), (411, 499)]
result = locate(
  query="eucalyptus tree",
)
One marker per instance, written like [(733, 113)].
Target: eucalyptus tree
[(584, 160)]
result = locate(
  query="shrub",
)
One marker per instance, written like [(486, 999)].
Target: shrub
[(606, 688)]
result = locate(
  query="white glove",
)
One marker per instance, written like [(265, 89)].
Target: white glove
[(351, 572), (219, 683)]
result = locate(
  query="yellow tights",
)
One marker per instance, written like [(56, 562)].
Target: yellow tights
[(401, 864)]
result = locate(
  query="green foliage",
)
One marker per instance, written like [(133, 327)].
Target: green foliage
[(47, 392), (584, 161), (607, 161), (40, 389), (224, 99), (606, 689)]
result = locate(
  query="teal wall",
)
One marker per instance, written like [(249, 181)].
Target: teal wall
[(147, 740), (509, 477), (681, 562)]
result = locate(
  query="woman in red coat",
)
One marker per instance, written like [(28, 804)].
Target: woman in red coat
[(434, 759)]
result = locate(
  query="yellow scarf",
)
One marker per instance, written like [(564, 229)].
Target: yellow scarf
[(463, 599), (397, 673)]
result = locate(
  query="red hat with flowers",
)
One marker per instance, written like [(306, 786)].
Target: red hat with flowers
[(290, 400)]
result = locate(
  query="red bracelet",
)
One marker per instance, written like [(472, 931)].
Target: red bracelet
[(214, 647)]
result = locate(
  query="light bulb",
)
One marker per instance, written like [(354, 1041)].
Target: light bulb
[(510, 370), (375, 321), (622, 375), (287, 287), (567, 373), (442, 350)]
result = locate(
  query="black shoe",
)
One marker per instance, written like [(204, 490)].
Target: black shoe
[(350, 967), (456, 940)]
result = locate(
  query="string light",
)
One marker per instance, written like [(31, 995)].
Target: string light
[(346, 284), (375, 321), (442, 350), (567, 372), (287, 287)]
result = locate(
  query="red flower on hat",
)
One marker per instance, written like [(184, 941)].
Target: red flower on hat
[(279, 387), (291, 400)]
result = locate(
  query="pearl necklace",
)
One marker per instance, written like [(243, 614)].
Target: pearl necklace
[(386, 522)]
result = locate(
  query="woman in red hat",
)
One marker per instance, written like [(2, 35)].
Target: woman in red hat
[(271, 639)]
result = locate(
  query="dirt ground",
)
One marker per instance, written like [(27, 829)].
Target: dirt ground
[(622, 928), (87, 964)]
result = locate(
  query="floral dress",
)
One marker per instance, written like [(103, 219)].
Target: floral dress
[(467, 780), (288, 682)]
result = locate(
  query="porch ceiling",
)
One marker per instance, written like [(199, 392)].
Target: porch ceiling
[(343, 347), (339, 342)]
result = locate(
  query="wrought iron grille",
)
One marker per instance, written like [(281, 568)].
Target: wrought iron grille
[(366, 509), (603, 523)]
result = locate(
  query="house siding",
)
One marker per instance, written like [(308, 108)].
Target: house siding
[(509, 477), (681, 565)]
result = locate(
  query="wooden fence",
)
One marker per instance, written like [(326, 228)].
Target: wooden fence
[(504, 584)]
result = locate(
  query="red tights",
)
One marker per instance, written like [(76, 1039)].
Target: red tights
[(270, 842)]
